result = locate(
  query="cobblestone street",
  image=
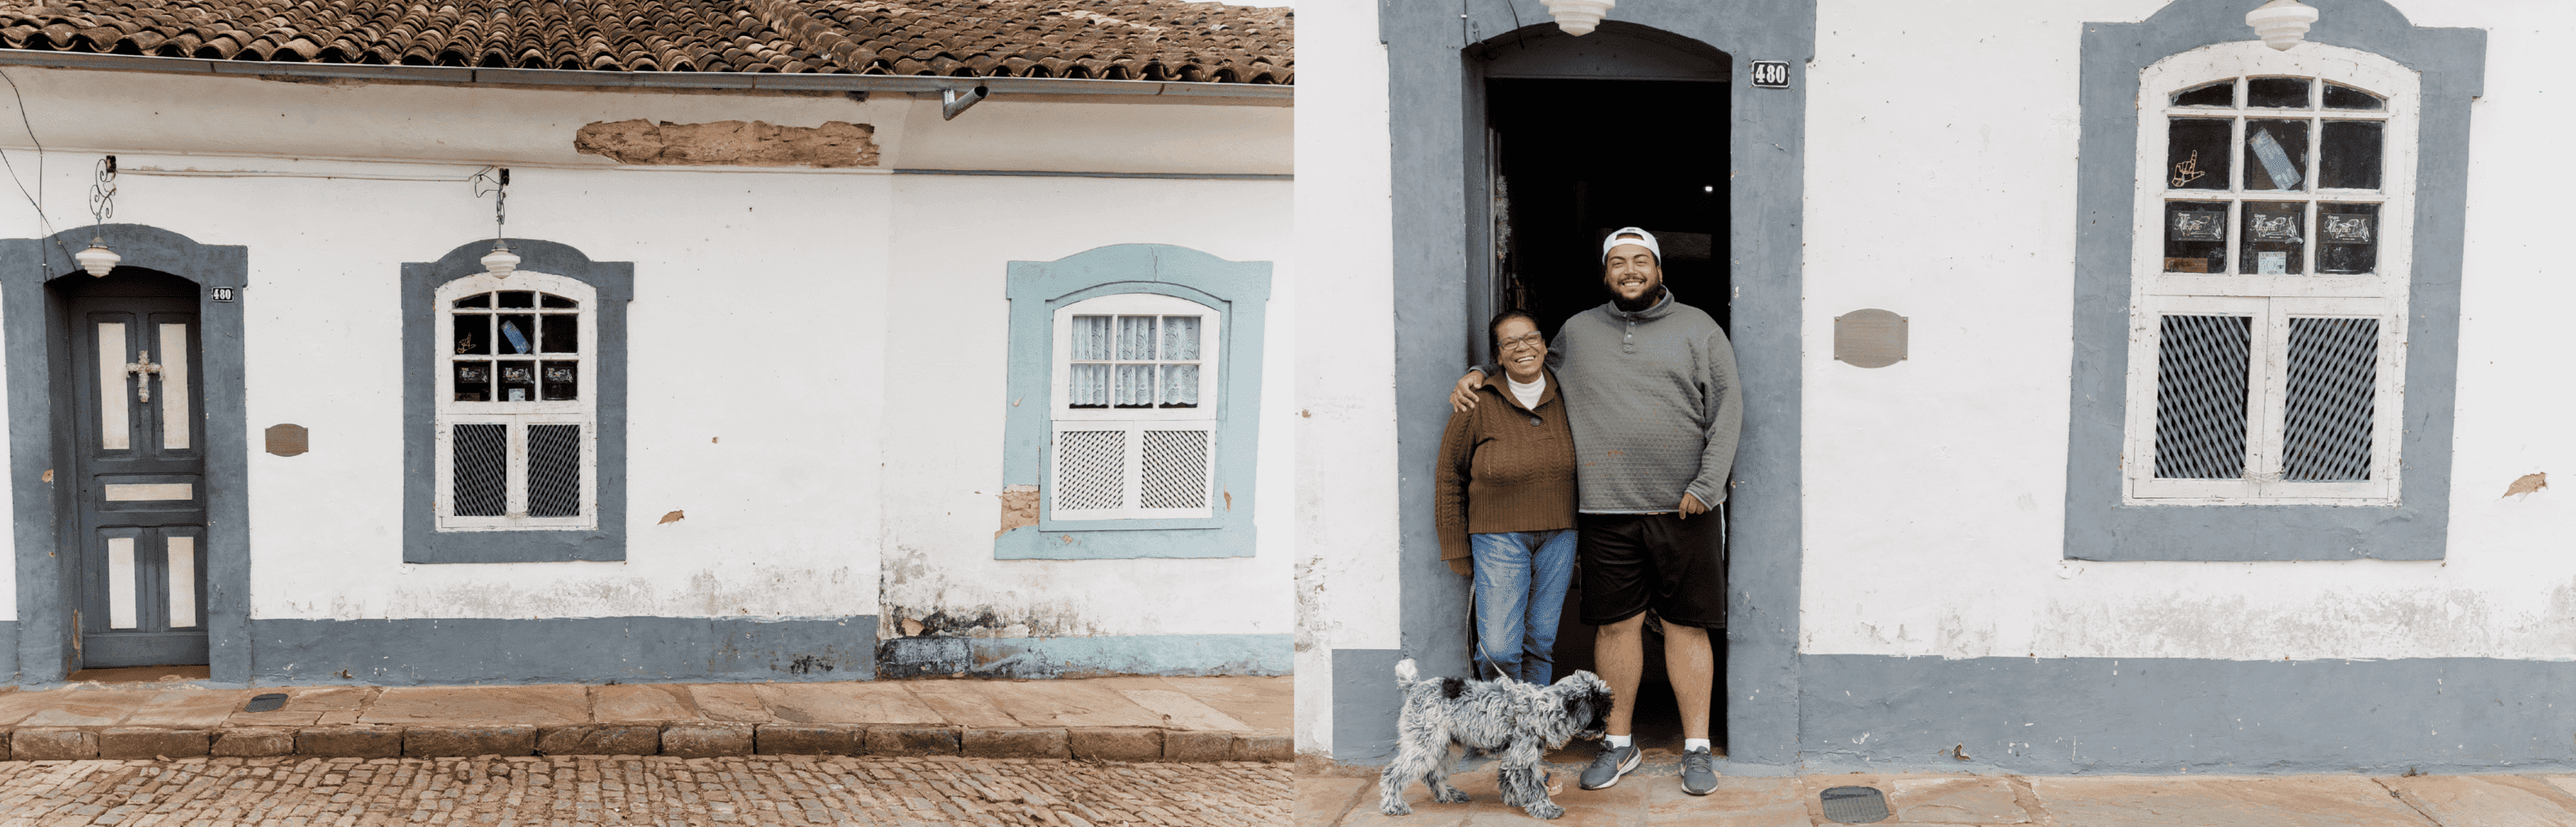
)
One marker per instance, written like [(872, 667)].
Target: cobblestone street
[(315, 792)]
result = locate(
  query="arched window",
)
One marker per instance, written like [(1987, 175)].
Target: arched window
[(1134, 403), (517, 417), (2269, 280)]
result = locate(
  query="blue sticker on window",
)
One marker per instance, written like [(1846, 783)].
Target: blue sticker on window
[(518, 341)]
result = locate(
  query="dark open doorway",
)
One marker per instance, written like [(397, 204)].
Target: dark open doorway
[(1570, 159)]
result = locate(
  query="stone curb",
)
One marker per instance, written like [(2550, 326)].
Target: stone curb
[(679, 739)]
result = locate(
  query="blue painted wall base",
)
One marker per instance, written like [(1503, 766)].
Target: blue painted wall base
[(1074, 657), (562, 650)]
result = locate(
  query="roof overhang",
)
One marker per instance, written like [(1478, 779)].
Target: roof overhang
[(1211, 93)]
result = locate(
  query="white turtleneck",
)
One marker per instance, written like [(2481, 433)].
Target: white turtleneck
[(1527, 394)]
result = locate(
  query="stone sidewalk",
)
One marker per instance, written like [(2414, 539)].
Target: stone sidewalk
[(1122, 719), (1957, 800)]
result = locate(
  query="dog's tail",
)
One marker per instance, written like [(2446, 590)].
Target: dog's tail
[(1404, 671)]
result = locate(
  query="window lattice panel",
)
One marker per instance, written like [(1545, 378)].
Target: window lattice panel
[(1175, 472), (2201, 374), (482, 469), (1090, 468), (2332, 398), (554, 470)]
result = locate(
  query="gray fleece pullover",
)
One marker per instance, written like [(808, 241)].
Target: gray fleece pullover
[(1655, 405)]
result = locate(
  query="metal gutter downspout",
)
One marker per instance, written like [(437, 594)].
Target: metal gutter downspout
[(768, 81)]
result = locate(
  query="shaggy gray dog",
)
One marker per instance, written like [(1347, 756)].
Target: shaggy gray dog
[(1515, 722)]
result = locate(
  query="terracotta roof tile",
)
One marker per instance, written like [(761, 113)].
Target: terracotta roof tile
[(1112, 39)]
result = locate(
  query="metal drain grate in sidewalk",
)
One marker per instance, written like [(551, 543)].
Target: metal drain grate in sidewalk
[(1854, 805)]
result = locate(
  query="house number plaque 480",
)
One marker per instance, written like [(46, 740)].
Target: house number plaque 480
[(1770, 74)]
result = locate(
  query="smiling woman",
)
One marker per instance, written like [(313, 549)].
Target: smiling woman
[(1506, 502)]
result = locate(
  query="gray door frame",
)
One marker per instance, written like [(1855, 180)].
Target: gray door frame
[(33, 321), (1437, 239)]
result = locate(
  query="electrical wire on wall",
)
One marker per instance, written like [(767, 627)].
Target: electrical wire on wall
[(36, 199)]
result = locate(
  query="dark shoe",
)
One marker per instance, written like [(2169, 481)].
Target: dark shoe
[(1609, 765), (1699, 772)]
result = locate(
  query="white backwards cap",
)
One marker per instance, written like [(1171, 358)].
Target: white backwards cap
[(1643, 239)]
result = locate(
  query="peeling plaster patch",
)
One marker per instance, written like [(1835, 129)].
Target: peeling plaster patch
[(731, 143), (1019, 507), (2527, 485), (673, 517)]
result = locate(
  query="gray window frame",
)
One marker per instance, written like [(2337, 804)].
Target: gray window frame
[(2451, 63), (614, 282)]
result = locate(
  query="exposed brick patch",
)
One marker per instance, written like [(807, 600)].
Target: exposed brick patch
[(731, 143)]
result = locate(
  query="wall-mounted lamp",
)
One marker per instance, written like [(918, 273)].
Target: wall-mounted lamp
[(2282, 23), (954, 102), (98, 259), (496, 180), (1578, 17)]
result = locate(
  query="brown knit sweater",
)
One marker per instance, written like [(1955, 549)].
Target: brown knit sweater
[(1504, 468)]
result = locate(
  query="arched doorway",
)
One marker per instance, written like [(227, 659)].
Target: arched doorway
[(1626, 126)]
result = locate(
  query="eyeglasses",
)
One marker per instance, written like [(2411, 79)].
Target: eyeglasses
[(1531, 340)]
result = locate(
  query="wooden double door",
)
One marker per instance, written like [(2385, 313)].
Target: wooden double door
[(138, 469)]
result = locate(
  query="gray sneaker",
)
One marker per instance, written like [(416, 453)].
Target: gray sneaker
[(1610, 764), (1699, 772)]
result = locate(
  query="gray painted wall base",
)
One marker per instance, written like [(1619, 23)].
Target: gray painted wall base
[(562, 650), (1074, 657), (2173, 715), (1365, 703), (9, 648)]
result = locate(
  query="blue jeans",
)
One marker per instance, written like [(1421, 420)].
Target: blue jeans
[(1520, 592)]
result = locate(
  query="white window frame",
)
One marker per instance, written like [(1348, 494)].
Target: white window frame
[(2271, 300), (583, 411), (1133, 421)]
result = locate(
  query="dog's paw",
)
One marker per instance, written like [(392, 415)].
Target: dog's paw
[(1396, 809), (1544, 810), (1451, 795)]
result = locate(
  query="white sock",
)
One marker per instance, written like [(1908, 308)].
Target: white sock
[(1616, 741), (1700, 744)]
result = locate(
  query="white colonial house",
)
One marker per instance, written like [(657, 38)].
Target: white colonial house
[(2124, 393)]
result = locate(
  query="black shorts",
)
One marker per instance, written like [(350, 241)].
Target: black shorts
[(1635, 562)]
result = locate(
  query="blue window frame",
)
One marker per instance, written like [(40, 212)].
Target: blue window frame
[(1176, 290)]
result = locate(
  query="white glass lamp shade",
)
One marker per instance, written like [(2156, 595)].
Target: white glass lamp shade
[(2282, 23), (500, 263), (1578, 17), (98, 259)]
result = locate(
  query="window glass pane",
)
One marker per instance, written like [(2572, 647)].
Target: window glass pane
[(2201, 374), (473, 333), (476, 300), (2351, 155), (559, 333), (1180, 386), (2196, 236), (1180, 337), (1089, 385), (482, 468), (518, 298), (473, 381), (2333, 392), (1176, 470), (562, 380), (515, 333), (2276, 154), (518, 382), (2348, 238), (1090, 337), (2339, 96), (552, 300), (2196, 154), (2276, 93), (2273, 241), (554, 470), (1135, 337), (2222, 93), (1135, 386)]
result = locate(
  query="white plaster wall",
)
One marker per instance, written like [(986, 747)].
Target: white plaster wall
[(945, 343), (1346, 586), (1950, 201), (761, 341)]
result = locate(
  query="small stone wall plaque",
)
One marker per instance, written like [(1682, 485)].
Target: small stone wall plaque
[(1869, 338), (287, 440)]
